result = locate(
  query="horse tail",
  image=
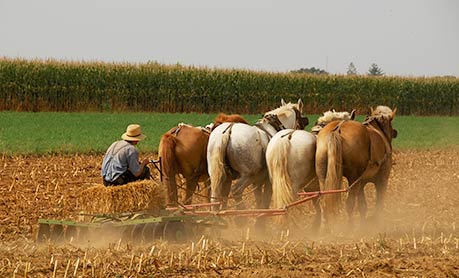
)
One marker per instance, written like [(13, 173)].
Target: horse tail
[(278, 171), (168, 160), (334, 174), (216, 166)]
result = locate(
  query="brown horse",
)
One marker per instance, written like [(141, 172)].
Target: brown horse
[(183, 150), (223, 118), (361, 152)]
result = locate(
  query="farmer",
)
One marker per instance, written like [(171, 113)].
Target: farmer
[(121, 161)]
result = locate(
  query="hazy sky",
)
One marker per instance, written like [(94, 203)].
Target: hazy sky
[(403, 37)]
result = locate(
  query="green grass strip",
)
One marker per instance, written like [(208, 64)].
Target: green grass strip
[(66, 133)]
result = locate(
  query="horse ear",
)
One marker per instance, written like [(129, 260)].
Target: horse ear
[(371, 111), (300, 105), (283, 102), (353, 114), (393, 113)]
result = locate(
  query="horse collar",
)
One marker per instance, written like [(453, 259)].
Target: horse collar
[(260, 126), (274, 121), (379, 128), (380, 131)]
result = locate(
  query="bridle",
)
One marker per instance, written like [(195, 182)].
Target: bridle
[(380, 126), (273, 120)]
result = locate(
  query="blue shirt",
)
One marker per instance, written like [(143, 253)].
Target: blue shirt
[(120, 157)]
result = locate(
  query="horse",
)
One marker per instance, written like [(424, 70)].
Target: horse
[(223, 118), (361, 152), (182, 150), (290, 157), (237, 151)]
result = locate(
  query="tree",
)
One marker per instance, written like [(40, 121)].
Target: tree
[(351, 69), (374, 70), (312, 70)]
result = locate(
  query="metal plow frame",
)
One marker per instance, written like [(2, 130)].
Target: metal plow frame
[(177, 224), (173, 228)]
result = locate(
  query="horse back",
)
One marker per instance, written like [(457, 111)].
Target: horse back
[(185, 147), (244, 152), (355, 145)]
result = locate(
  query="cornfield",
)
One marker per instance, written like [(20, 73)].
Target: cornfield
[(37, 85)]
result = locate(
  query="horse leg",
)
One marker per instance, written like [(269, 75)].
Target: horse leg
[(191, 184), (381, 188), (267, 194), (260, 204), (362, 203), (258, 194), (238, 188), (171, 184), (263, 190), (226, 188), (316, 203), (208, 189), (351, 198)]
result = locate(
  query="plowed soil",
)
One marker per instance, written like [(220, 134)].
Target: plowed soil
[(416, 236)]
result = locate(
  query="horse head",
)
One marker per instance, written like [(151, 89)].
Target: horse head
[(287, 116), (381, 117)]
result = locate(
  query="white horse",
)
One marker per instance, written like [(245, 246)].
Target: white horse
[(290, 157), (237, 151)]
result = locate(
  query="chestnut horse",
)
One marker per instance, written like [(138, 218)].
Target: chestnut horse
[(361, 152), (290, 157), (182, 150)]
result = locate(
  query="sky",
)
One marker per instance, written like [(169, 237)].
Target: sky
[(403, 37)]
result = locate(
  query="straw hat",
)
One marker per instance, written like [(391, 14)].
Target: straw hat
[(133, 133)]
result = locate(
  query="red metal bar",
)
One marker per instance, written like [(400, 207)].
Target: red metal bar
[(247, 212), (322, 192), (193, 206), (203, 205), (303, 200)]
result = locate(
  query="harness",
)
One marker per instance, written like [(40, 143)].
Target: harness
[(289, 134), (176, 131), (380, 132), (274, 121)]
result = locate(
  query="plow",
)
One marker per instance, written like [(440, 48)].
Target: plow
[(171, 224), (176, 224)]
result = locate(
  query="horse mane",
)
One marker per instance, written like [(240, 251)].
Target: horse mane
[(380, 114), (283, 108), (382, 111), (224, 118), (332, 115)]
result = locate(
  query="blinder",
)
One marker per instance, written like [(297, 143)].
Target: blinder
[(304, 121), (394, 133)]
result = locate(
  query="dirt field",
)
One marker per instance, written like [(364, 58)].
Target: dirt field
[(417, 235)]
